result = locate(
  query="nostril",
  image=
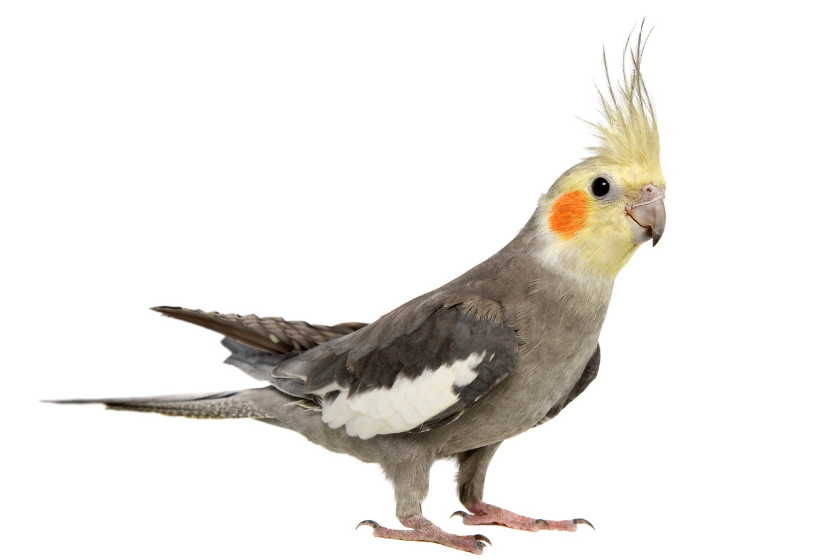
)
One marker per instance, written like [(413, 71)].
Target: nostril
[(648, 189)]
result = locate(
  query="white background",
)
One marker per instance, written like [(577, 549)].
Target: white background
[(328, 161)]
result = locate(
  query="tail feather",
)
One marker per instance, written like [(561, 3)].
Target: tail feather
[(256, 363), (260, 365), (208, 405), (257, 346)]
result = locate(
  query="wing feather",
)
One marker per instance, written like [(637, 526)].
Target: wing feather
[(412, 370), (269, 334)]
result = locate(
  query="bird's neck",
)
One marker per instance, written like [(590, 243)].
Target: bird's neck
[(518, 271), (563, 267)]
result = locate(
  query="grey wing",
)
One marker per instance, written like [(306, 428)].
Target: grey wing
[(411, 370), (588, 375), (273, 335), (259, 344)]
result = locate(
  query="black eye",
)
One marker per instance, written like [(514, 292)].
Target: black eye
[(600, 187)]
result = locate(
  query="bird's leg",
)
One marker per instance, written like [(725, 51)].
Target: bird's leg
[(472, 469), (411, 484), (487, 514), (423, 530)]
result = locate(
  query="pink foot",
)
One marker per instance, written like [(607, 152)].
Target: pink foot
[(423, 530), (486, 514)]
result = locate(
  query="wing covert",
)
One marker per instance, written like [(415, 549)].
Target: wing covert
[(418, 376)]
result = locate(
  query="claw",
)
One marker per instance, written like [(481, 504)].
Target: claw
[(479, 539), (542, 522), (369, 523), (580, 521), (459, 514)]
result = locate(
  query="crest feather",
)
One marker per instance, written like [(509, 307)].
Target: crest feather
[(628, 135)]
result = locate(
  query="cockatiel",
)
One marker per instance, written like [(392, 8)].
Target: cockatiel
[(455, 372)]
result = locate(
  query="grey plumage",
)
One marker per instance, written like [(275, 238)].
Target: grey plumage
[(488, 310), (271, 334), (587, 377), (228, 404), (455, 372)]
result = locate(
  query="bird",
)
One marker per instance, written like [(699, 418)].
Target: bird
[(453, 373)]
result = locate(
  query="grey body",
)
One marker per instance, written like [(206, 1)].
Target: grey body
[(541, 321), (557, 326), (456, 371)]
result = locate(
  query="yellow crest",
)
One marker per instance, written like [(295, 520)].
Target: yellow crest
[(628, 135)]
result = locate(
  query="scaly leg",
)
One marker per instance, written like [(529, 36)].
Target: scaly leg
[(487, 514), (472, 469), (411, 484), (423, 530)]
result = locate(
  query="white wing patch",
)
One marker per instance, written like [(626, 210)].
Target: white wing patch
[(406, 405)]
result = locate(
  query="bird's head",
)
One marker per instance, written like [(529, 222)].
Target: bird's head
[(601, 210)]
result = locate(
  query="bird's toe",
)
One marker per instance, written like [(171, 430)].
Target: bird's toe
[(581, 521), (482, 541)]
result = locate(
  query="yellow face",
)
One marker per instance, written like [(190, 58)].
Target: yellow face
[(587, 214)]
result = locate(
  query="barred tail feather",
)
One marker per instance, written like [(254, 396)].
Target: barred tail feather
[(207, 406), (267, 404)]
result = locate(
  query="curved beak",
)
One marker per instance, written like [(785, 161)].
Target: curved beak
[(647, 216)]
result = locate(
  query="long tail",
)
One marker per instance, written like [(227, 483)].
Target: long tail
[(231, 404), (267, 404), (257, 345)]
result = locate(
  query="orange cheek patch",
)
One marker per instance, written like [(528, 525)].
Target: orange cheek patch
[(569, 213)]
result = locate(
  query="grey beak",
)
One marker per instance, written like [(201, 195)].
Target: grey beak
[(647, 216)]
